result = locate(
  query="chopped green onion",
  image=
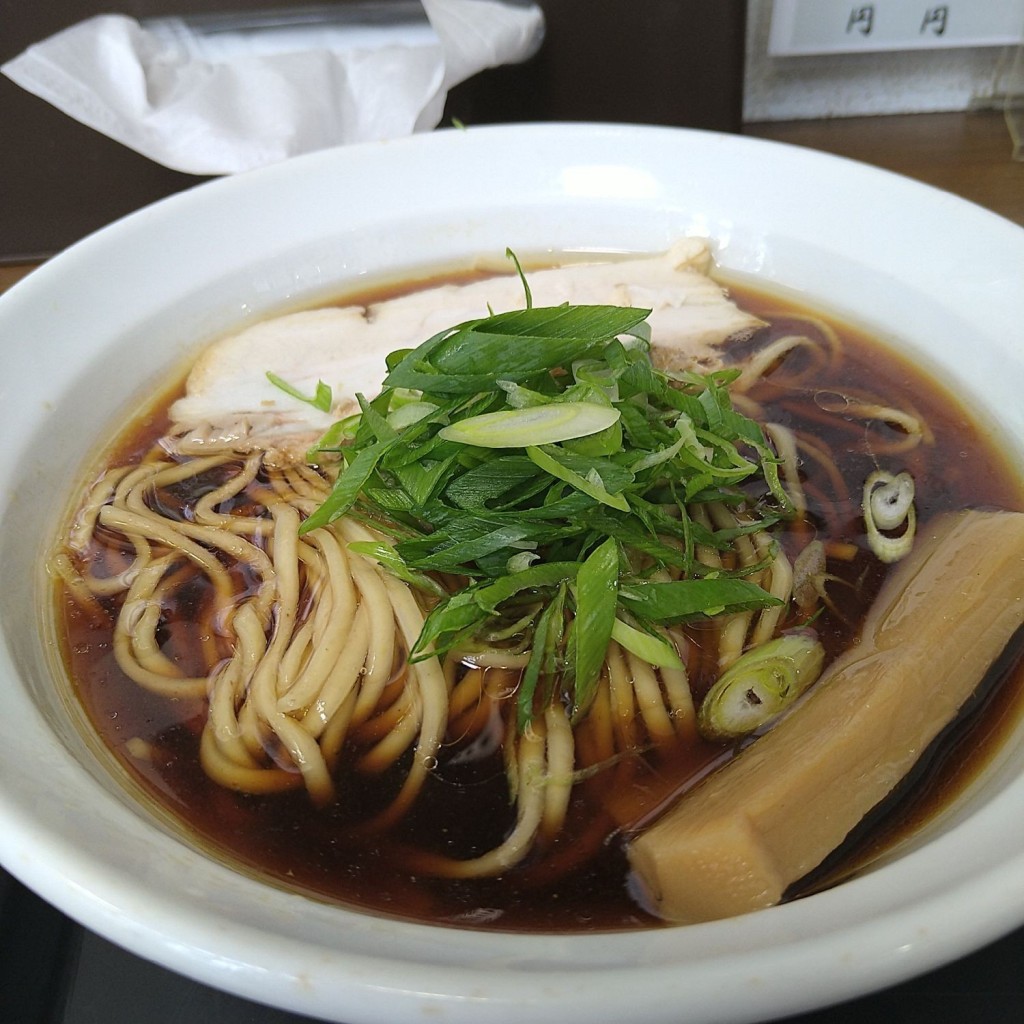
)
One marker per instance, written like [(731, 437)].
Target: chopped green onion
[(531, 425), (522, 277), (591, 485), (682, 600), (652, 649), (760, 685), (888, 504), (411, 412), (541, 457), (543, 663), (385, 555), (322, 400), (596, 593), (521, 560)]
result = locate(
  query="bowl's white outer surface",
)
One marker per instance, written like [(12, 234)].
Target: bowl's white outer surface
[(85, 335)]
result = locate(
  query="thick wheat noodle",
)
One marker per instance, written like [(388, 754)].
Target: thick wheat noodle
[(214, 537), (286, 559), (761, 362), (650, 700), (292, 483), (785, 444), (84, 529), (168, 681), (560, 753), (914, 429), (246, 780), (530, 770), (301, 747), (237, 737), (281, 486), (837, 411), (706, 554), (334, 664), (477, 710), (143, 472), (733, 632), (305, 753), (143, 627), (510, 755), (132, 489), (680, 699), (724, 519), (136, 628), (242, 551), (132, 492), (306, 483), (470, 723), (254, 729), (780, 586), (332, 739), (388, 717), (623, 699), (83, 526), (430, 677), (451, 665), (469, 708), (389, 749), (313, 592), (227, 689), (595, 739), (380, 664), (167, 474), (224, 752), (373, 594), (749, 407), (431, 705), (119, 582), (160, 531), (467, 692), (205, 508), (825, 459), (394, 731), (829, 335), (780, 574), (343, 678), (78, 589), (331, 626), (301, 641)]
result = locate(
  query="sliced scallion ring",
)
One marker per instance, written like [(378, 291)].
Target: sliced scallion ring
[(888, 503)]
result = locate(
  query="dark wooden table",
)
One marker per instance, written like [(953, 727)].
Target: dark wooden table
[(967, 153)]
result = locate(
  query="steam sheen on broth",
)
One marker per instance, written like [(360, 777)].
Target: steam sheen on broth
[(828, 397)]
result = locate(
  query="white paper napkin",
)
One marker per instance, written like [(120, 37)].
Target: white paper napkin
[(211, 96)]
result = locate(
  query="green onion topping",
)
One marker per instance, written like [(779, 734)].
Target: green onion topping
[(540, 457)]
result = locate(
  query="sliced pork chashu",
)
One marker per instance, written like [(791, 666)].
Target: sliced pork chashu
[(230, 405)]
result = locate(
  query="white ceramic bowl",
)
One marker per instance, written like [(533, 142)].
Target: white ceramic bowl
[(84, 336)]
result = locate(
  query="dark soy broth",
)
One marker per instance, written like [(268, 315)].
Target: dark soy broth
[(580, 881)]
